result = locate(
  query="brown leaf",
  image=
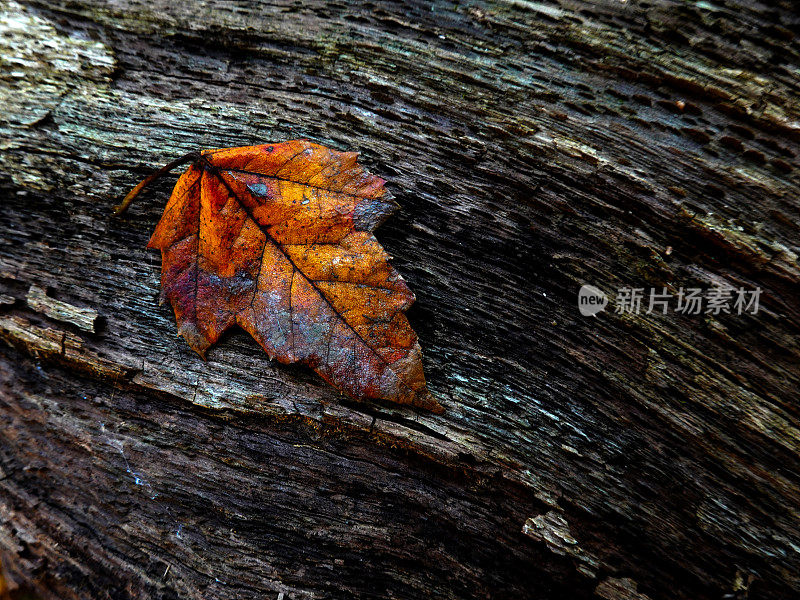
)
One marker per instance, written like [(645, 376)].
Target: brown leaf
[(277, 239)]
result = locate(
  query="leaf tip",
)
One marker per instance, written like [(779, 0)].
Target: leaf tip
[(195, 338), (371, 213), (426, 401)]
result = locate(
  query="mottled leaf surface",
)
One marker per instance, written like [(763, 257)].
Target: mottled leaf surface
[(278, 240)]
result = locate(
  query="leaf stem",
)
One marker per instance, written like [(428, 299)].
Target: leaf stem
[(127, 200)]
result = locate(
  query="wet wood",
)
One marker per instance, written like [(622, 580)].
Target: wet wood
[(533, 148)]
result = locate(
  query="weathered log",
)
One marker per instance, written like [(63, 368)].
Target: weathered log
[(533, 148)]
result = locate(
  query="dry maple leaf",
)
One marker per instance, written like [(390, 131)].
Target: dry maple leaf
[(277, 239)]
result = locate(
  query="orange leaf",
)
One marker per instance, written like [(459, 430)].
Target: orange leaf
[(277, 239)]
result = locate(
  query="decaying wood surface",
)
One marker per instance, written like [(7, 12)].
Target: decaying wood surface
[(533, 147)]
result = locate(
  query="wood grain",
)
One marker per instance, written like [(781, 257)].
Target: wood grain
[(533, 147)]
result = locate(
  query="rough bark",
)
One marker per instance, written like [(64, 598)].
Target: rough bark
[(533, 147)]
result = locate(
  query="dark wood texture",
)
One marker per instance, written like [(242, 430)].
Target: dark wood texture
[(533, 147)]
